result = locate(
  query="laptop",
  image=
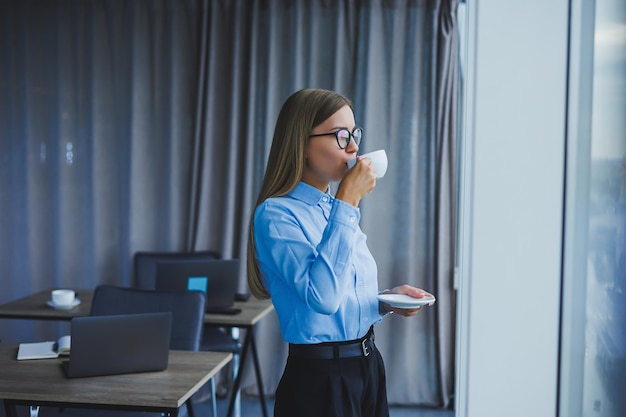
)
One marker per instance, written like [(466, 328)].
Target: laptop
[(217, 278), (120, 344)]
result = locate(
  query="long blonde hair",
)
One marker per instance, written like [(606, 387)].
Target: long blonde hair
[(301, 112)]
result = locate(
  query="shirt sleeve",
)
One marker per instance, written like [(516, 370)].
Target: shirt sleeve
[(290, 249)]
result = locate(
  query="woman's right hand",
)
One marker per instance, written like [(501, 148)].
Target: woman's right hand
[(357, 183)]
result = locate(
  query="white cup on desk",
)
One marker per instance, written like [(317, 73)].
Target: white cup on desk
[(379, 161), (63, 297)]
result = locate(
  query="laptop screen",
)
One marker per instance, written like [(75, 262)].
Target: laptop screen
[(125, 343), (217, 278)]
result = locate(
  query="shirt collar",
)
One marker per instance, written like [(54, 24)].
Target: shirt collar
[(310, 195)]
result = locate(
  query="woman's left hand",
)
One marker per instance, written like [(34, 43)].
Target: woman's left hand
[(410, 291)]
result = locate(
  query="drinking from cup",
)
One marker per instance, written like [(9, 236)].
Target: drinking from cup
[(63, 297), (379, 161)]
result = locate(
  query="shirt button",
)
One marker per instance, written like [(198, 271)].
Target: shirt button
[(324, 199), (352, 219), (366, 318)]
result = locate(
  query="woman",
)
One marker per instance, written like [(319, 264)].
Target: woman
[(307, 252)]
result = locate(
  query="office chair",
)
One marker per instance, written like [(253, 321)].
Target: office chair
[(187, 309), (216, 339)]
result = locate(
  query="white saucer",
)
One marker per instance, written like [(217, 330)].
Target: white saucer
[(63, 307), (404, 301)]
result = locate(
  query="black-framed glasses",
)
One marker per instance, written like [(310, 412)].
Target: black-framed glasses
[(343, 136)]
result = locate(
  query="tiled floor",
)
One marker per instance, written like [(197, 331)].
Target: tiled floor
[(251, 408)]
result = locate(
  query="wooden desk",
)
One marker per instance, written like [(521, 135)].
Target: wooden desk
[(252, 311), (43, 382), (34, 307)]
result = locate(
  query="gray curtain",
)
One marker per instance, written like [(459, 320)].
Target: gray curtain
[(97, 101), (145, 125)]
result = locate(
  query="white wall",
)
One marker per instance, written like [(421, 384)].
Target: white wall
[(511, 208)]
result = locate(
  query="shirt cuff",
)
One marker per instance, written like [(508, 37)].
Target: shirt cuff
[(344, 213), (381, 308)]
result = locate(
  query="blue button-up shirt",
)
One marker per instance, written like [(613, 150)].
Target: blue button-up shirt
[(315, 264)]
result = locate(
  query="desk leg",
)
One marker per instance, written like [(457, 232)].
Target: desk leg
[(236, 335), (257, 371), (237, 382), (9, 409), (249, 342)]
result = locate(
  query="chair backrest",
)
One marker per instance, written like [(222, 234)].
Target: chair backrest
[(144, 264), (187, 308)]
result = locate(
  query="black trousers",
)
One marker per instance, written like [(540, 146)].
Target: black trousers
[(344, 387)]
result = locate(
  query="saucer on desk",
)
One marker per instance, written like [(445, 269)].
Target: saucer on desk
[(70, 306), (404, 301)]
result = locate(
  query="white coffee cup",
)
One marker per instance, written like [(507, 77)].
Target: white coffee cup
[(379, 161), (63, 297)]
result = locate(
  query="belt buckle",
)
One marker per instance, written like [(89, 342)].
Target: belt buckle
[(365, 348)]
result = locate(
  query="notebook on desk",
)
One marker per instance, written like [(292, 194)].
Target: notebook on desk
[(121, 344), (217, 278)]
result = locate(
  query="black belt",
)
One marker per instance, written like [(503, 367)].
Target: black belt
[(335, 350)]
